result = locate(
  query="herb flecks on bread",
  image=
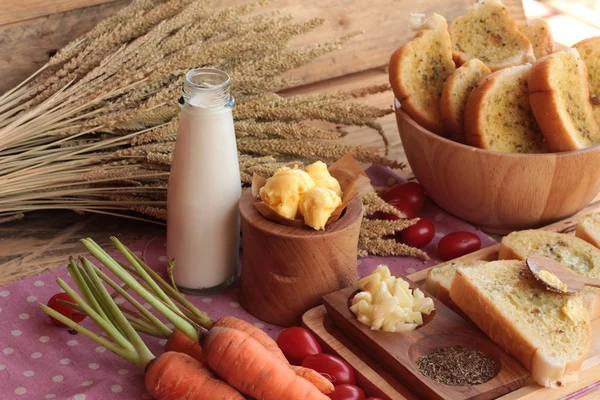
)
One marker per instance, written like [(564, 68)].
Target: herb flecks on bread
[(439, 279), (538, 33), (549, 333), (488, 32), (455, 93), (560, 100), (589, 49), (418, 71), (572, 252), (498, 115)]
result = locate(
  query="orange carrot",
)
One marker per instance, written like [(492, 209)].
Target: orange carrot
[(174, 376), (244, 364), (255, 333), (180, 343), (323, 384)]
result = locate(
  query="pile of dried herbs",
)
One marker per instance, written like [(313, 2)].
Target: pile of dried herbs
[(458, 366), (93, 130)]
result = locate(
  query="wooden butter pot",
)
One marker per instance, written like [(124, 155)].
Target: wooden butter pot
[(286, 271)]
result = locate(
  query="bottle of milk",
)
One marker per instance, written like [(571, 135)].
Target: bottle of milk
[(204, 186)]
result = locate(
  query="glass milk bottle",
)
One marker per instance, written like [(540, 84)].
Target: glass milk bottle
[(204, 186)]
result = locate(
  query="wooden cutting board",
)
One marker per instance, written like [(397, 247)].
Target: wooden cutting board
[(377, 381)]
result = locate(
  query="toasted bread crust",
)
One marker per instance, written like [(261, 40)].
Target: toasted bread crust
[(475, 304), (455, 93), (564, 112), (487, 123), (588, 229), (500, 326), (589, 49), (504, 45), (538, 33), (589, 296), (417, 76)]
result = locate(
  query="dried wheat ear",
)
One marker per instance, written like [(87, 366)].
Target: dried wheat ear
[(93, 130)]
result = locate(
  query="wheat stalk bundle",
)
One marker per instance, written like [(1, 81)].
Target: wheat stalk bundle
[(93, 130)]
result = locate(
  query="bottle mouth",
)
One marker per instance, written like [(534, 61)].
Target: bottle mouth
[(206, 79), (207, 88)]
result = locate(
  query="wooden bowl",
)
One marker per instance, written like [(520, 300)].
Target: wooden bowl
[(500, 192), (286, 271)]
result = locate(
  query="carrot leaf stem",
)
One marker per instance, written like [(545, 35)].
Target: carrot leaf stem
[(130, 256), (201, 318), (105, 325), (170, 267), (127, 354), (84, 288), (134, 338), (179, 322), (97, 296), (143, 326), (151, 318)]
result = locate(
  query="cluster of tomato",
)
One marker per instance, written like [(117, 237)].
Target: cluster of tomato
[(301, 348), (409, 199)]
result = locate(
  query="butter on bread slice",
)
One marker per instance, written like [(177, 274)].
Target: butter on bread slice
[(418, 70), (498, 114), (574, 253), (549, 333), (589, 50), (538, 33), (455, 93), (588, 229), (488, 32), (439, 280), (560, 100)]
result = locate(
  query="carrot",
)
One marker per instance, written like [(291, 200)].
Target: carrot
[(171, 376), (174, 376), (244, 364), (255, 333), (319, 381), (180, 343), (323, 384)]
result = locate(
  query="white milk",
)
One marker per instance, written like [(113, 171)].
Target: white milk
[(204, 186)]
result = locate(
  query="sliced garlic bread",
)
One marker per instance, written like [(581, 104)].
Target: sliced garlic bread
[(578, 255), (455, 93), (560, 100), (488, 32), (588, 229), (547, 332), (589, 50), (498, 114), (439, 280), (538, 33), (418, 71)]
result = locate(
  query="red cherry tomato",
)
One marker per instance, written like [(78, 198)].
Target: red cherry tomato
[(403, 206), (410, 193), (418, 235), (64, 309), (347, 392), (333, 368), (373, 398), (297, 343), (458, 244)]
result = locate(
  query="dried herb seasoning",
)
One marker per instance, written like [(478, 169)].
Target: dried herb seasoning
[(457, 366)]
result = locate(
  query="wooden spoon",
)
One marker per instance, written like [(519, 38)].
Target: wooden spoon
[(558, 278)]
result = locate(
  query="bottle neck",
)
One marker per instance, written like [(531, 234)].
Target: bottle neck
[(206, 88)]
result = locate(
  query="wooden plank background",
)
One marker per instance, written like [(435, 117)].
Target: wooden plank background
[(32, 30)]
